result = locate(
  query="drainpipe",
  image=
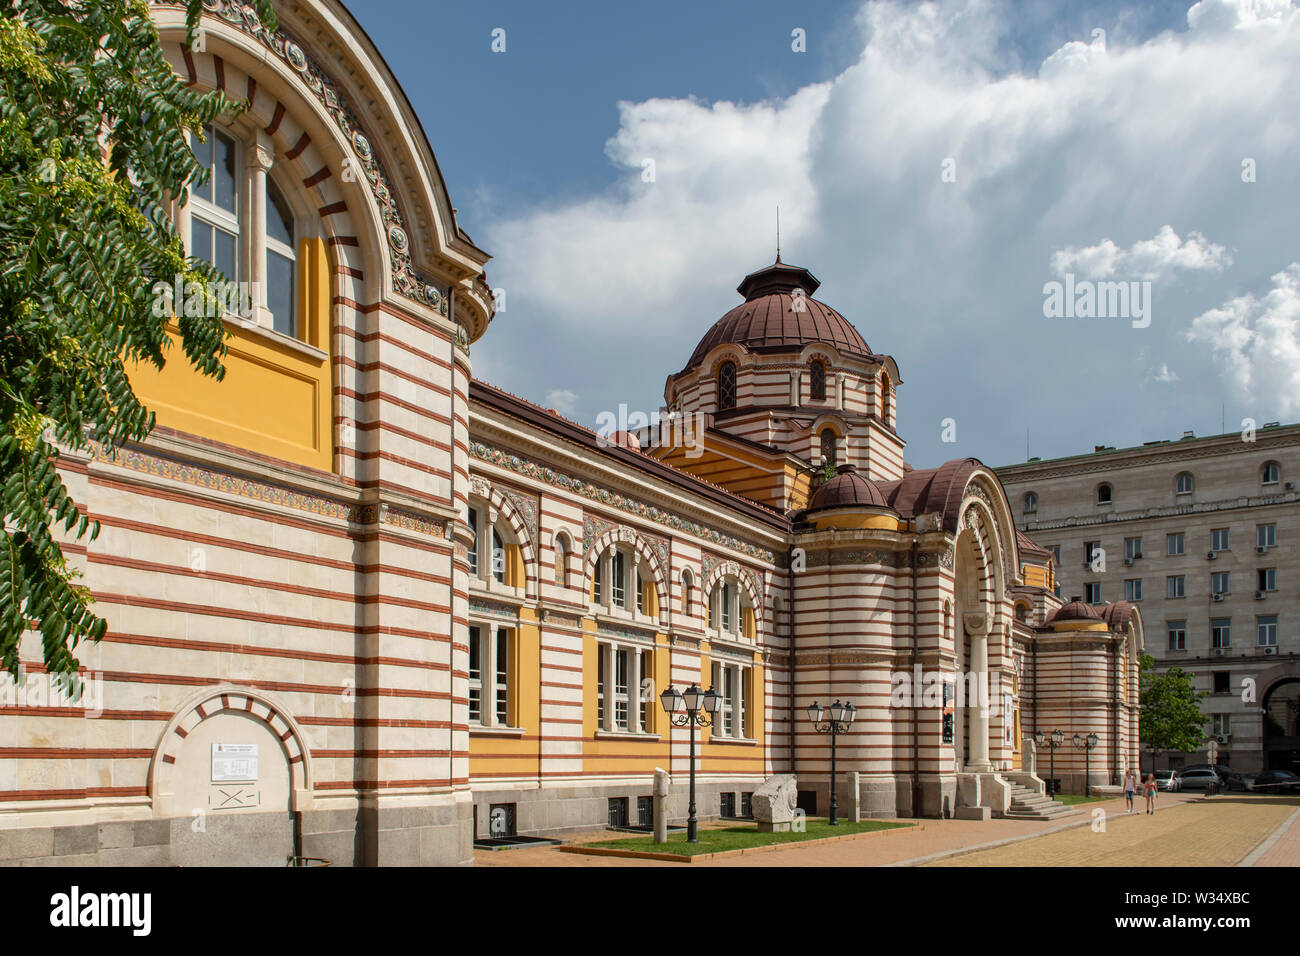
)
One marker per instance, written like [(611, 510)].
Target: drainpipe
[(451, 587), (790, 671), (916, 728)]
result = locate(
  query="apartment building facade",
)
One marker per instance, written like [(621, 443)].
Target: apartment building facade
[(1202, 534)]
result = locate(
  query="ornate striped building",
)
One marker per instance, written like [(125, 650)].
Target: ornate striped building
[(365, 608)]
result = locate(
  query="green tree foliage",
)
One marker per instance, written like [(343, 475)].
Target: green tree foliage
[(1171, 713), (93, 147)]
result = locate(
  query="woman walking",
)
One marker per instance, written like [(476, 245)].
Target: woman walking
[(1150, 788), (1130, 788)]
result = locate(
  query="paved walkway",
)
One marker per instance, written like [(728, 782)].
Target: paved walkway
[(1219, 831), (1281, 848), (931, 839)]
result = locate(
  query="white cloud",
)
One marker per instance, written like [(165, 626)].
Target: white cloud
[(1108, 139), (562, 400), (1257, 342), (1164, 375), (1147, 259)]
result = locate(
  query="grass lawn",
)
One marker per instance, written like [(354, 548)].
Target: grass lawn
[(1069, 799), (743, 837)]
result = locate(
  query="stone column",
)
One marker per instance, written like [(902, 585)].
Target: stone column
[(260, 157), (977, 626)]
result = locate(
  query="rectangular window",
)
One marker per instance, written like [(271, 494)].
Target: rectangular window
[(1174, 544), (600, 685), (647, 673), (1132, 548), (618, 812), (728, 612), (1219, 539), (1220, 632), (498, 557), (1056, 553), (645, 811), (1133, 589), (1266, 535), (1266, 631), (1267, 579), (1177, 631), (503, 678), (747, 805), (729, 683), (599, 578), (620, 688), (1092, 592), (618, 580), (473, 547), (640, 593), (727, 804), (1220, 725), (475, 678), (1175, 586), (1219, 582), (1090, 549), (1222, 682)]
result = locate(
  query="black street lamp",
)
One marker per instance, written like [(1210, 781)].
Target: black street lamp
[(1086, 744), (1052, 740), (841, 719), (1155, 753), (695, 708)]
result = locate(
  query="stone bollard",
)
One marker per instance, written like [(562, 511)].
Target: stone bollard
[(662, 786), (855, 798)]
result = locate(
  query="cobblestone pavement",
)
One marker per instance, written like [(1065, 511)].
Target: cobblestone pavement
[(931, 838), (1218, 831)]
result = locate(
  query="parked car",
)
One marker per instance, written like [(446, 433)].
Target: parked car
[(1237, 780), (1168, 780), (1199, 779), (1222, 771), (1275, 781)]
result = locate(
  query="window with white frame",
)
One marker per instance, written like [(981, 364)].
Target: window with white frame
[(1132, 548), (1267, 579), (1177, 631), (1092, 592), (1266, 630), (1266, 535), (1219, 539), (621, 702), (623, 583), (1175, 544), (732, 718), (1270, 474), (1133, 589), (1219, 582), (727, 610), (1220, 633), (1220, 725), (488, 554), (489, 675), (1183, 483), (1176, 586), (241, 221)]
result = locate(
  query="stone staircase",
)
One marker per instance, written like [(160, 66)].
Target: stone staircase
[(1028, 805)]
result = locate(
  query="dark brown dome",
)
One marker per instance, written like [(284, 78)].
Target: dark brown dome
[(765, 321), (847, 489), (1074, 611)]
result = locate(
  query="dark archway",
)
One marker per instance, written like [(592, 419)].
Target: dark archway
[(1281, 706)]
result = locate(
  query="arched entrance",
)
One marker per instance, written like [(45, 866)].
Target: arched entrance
[(1281, 717), (971, 634)]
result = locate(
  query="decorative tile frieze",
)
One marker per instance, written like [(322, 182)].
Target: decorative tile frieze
[(585, 489), (618, 630), (479, 605)]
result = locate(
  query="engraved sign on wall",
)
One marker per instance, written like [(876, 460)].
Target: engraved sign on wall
[(234, 762)]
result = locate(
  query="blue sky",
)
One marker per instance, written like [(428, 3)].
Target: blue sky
[(1112, 158)]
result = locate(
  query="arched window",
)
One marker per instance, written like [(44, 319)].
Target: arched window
[(731, 613), (1022, 612), (562, 560), (494, 554), (1031, 502), (828, 441), (727, 386), (623, 583), (1105, 493), (688, 585), (218, 225), (817, 380), (1183, 483), (886, 401), (1270, 474)]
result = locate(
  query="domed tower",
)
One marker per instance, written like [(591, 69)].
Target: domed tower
[(784, 386)]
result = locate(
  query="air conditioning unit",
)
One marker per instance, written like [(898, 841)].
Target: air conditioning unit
[(1290, 486), (1260, 595), (1211, 555), (1219, 597), (1136, 555), (1261, 548), (1223, 738), (1270, 650), (1220, 651), (1128, 562)]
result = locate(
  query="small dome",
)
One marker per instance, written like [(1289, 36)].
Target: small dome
[(848, 489), (1074, 611)]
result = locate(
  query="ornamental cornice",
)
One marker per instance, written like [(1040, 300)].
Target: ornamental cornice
[(1238, 503), (558, 479)]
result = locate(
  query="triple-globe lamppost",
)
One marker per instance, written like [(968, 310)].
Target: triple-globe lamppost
[(1053, 740), (694, 708), (1087, 745), (840, 720)]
